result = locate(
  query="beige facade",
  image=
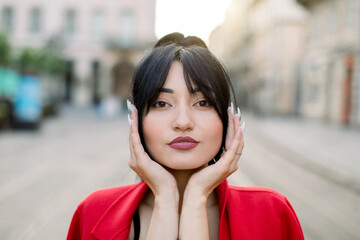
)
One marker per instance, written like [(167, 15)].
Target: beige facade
[(331, 83), (230, 43), (264, 40), (102, 40)]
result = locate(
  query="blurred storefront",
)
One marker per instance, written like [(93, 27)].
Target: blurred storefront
[(294, 57), (263, 40), (101, 40), (331, 83)]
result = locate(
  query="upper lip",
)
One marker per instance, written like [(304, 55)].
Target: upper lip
[(183, 139)]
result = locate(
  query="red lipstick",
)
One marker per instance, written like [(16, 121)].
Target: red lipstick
[(183, 143)]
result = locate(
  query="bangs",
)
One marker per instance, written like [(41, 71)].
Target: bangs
[(202, 72), (196, 85), (205, 74)]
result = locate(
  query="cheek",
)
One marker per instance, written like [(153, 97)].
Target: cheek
[(215, 132), (148, 131), (212, 130), (152, 129)]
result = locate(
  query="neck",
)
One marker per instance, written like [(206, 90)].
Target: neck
[(182, 177)]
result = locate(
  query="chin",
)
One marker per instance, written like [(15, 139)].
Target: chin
[(184, 165)]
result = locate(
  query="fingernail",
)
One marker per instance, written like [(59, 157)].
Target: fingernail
[(239, 114), (128, 103), (243, 126), (232, 108), (129, 120)]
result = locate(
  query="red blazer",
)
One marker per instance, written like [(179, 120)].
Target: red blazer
[(245, 213)]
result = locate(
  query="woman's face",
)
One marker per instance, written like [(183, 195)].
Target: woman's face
[(181, 131)]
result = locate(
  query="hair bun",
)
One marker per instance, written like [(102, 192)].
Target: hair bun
[(179, 39)]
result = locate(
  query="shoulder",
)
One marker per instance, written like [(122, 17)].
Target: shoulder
[(107, 194), (263, 208), (98, 202), (261, 199), (93, 207), (255, 193), (102, 199)]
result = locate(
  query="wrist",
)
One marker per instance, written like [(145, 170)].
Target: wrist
[(168, 199), (196, 191), (195, 198)]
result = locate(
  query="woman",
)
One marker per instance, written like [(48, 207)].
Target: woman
[(184, 142)]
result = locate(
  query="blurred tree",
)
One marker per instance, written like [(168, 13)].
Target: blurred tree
[(28, 61), (5, 51), (40, 61), (8, 82), (51, 63)]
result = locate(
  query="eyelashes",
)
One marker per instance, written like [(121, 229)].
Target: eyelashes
[(160, 104), (203, 103), (163, 104)]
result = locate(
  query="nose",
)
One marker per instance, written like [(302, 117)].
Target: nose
[(183, 119)]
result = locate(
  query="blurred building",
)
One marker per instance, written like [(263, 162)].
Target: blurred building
[(331, 77), (260, 42), (102, 40)]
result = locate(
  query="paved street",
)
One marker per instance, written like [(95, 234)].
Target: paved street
[(314, 165), (45, 174)]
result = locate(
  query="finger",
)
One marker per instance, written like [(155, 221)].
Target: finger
[(130, 138), (135, 115), (131, 147), (228, 162), (239, 150), (136, 147), (230, 130), (238, 155), (132, 122), (236, 122), (230, 154)]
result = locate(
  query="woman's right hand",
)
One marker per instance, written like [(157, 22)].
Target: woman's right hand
[(162, 184), (156, 176)]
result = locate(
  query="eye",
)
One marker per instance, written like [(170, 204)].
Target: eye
[(202, 103), (161, 104)]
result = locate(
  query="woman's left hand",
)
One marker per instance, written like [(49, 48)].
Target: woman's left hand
[(207, 179), (194, 220)]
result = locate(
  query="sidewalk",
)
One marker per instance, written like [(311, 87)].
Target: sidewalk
[(330, 151)]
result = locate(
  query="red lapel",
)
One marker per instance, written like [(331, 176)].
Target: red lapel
[(116, 221)]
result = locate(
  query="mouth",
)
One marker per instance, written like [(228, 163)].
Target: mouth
[(183, 143)]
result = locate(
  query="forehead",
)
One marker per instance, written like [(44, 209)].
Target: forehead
[(175, 79), (175, 75)]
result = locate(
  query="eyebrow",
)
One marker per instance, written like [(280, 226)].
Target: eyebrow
[(168, 90)]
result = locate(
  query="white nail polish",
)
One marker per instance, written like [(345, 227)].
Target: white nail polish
[(243, 126), (129, 120), (239, 113), (128, 103), (232, 108)]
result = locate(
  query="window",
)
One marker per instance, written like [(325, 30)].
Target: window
[(7, 19), (70, 22), (35, 21), (127, 27), (351, 12), (98, 25), (315, 27), (333, 16)]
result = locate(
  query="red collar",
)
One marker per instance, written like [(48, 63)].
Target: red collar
[(116, 221)]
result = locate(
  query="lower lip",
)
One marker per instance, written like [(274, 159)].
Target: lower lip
[(184, 145)]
